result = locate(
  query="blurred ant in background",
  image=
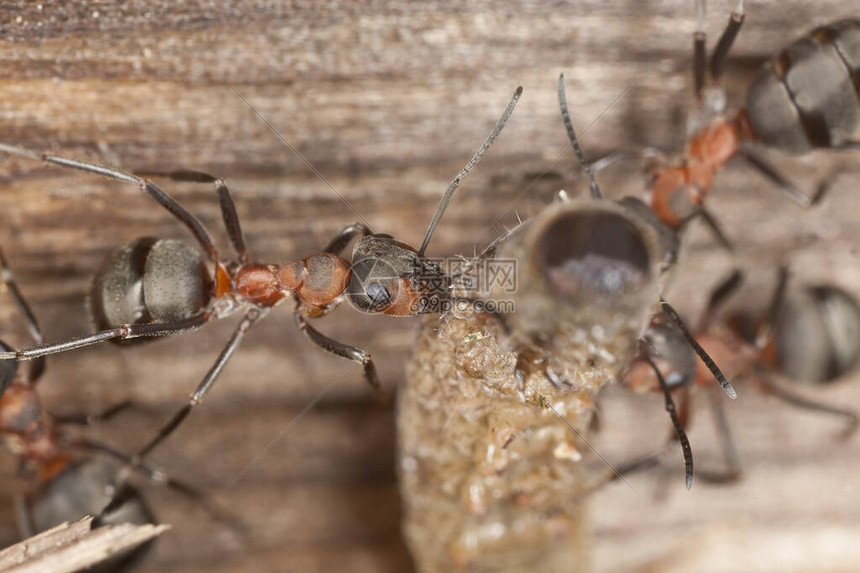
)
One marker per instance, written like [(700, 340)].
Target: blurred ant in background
[(67, 476), (808, 334), (805, 98), (619, 257)]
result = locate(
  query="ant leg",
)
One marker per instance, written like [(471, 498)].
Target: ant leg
[(724, 45), (700, 352), (725, 289), (716, 230), (769, 171), (121, 332), (805, 403), (824, 187), (652, 460), (343, 238), (730, 452), (251, 317), (614, 157), (765, 329), (37, 367), (103, 416), (344, 351), (228, 207), (699, 50), (729, 285), (23, 516), (151, 189), (124, 492)]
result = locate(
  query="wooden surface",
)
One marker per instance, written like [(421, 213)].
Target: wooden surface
[(387, 101), (69, 547)]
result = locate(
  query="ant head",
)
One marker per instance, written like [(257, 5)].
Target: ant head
[(666, 346), (390, 277), (8, 368), (817, 335)]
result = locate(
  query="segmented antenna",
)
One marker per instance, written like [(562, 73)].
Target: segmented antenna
[(571, 134), (703, 356), (699, 51), (718, 58), (679, 428), (443, 204)]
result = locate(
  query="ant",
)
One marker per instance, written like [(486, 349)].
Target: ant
[(811, 336), (66, 480), (159, 287), (804, 98), (592, 264)]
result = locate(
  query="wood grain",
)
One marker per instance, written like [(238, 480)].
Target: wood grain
[(387, 100)]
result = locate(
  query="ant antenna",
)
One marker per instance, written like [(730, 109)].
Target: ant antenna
[(443, 204), (715, 370), (679, 427), (574, 142)]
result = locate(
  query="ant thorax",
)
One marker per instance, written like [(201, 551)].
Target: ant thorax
[(226, 305)]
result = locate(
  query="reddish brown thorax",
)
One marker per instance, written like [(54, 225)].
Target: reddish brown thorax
[(677, 191), (317, 281)]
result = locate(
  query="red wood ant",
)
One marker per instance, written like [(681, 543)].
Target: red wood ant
[(600, 252), (808, 336), (804, 98), (158, 287), (65, 479)]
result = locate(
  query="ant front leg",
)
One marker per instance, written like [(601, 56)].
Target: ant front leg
[(344, 351), (121, 333)]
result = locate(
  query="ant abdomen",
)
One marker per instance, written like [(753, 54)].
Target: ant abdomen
[(85, 489), (809, 95), (817, 335), (150, 281)]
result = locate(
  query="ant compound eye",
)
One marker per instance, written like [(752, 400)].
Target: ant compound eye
[(373, 285), (8, 369), (379, 296)]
